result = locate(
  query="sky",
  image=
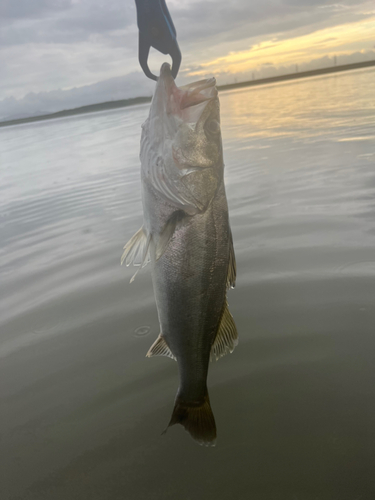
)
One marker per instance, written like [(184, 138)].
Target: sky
[(60, 54)]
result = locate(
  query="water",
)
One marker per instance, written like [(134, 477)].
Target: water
[(82, 409)]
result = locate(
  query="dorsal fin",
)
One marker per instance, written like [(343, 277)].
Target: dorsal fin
[(231, 277), (226, 337), (160, 348)]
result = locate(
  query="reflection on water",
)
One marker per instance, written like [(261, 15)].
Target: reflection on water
[(337, 107), (83, 409)]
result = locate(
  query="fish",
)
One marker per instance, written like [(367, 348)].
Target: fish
[(186, 236)]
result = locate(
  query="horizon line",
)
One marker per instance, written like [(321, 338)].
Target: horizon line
[(132, 101)]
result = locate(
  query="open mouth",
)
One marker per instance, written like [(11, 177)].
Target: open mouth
[(198, 92), (188, 101)]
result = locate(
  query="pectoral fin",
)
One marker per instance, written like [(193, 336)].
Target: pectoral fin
[(136, 251), (160, 348), (226, 337)]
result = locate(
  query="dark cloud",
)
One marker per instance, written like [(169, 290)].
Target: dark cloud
[(97, 16), (21, 9), (61, 21), (65, 21)]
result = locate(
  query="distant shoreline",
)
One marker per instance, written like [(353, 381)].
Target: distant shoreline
[(140, 100), (294, 76)]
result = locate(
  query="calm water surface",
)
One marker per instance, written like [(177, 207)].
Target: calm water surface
[(82, 409)]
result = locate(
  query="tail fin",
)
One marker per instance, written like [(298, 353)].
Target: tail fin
[(197, 418)]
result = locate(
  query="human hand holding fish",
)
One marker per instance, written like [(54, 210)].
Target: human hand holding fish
[(187, 238)]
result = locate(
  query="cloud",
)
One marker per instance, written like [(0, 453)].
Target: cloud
[(113, 89), (246, 18), (274, 69), (60, 44), (62, 21), (135, 84), (11, 9)]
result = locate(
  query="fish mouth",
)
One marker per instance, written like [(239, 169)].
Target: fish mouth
[(197, 92), (188, 101)]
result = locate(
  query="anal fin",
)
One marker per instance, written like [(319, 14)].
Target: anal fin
[(160, 348), (227, 337)]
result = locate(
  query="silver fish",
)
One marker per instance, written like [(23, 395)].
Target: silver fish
[(187, 237)]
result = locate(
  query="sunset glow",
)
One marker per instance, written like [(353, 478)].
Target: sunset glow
[(338, 40)]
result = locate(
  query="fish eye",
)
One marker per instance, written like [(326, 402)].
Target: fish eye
[(212, 126)]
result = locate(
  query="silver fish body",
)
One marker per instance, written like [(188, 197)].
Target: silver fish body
[(186, 235)]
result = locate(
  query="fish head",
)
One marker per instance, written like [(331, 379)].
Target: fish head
[(181, 149), (185, 122)]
